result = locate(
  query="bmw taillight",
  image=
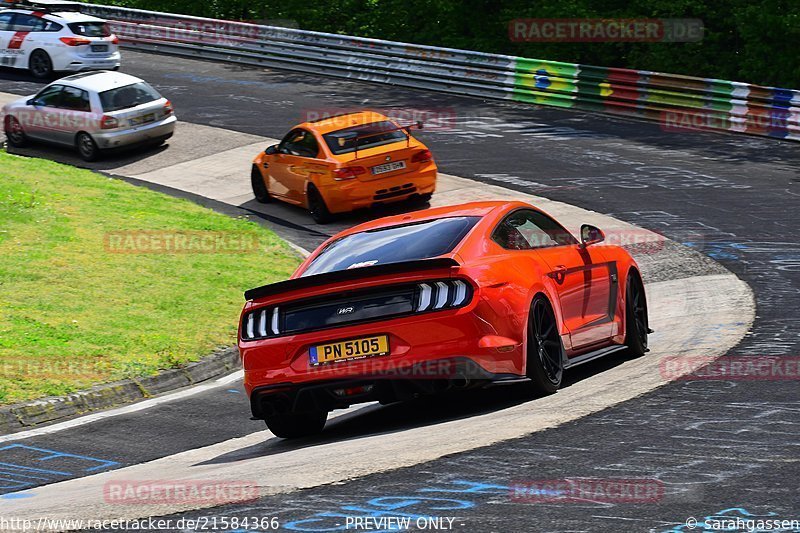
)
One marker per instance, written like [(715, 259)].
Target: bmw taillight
[(444, 294), (74, 41), (261, 323), (422, 157), (108, 123), (348, 173), (167, 108)]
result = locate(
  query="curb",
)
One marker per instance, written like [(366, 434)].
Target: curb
[(21, 416)]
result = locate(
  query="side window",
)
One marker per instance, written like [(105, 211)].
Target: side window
[(527, 230), (49, 25), (75, 99), (28, 23), (49, 96), (299, 142), (5, 21)]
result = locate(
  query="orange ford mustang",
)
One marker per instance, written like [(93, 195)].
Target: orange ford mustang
[(343, 163), (457, 296)]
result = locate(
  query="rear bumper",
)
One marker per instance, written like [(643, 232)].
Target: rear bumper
[(78, 63), (345, 196), (160, 130), (419, 379), (428, 349)]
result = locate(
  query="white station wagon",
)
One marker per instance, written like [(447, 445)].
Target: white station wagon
[(46, 37)]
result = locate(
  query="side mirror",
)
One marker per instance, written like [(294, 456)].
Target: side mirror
[(271, 149), (32, 101), (591, 235)]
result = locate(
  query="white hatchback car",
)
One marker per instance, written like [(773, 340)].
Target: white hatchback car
[(92, 112), (46, 39)]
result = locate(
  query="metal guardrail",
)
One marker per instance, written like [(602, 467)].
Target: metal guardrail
[(679, 103)]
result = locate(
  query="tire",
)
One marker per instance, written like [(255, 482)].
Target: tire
[(297, 425), (316, 206), (545, 353), (259, 187), (86, 147), (422, 199), (40, 65), (15, 136), (637, 326)]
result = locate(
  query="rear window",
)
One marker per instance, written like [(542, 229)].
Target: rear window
[(90, 29), (374, 134), (128, 96), (395, 244)]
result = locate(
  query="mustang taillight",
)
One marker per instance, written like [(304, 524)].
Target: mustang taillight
[(261, 324), (445, 294)]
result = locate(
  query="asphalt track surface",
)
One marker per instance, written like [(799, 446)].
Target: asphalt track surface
[(716, 445)]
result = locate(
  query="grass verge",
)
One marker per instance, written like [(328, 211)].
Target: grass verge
[(101, 280)]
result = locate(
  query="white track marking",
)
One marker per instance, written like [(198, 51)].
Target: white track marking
[(133, 408)]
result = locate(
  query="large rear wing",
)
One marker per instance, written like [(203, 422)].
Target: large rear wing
[(350, 274), (356, 137)]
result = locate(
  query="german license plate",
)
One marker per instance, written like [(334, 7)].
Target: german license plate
[(388, 167), (349, 350), (99, 48), (144, 119)]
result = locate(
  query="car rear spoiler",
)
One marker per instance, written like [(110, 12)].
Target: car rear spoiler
[(355, 137), (349, 274)]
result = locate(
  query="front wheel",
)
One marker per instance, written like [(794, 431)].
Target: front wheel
[(86, 146), (259, 187), (40, 65), (297, 425), (636, 322), (14, 133), (316, 206), (545, 354)]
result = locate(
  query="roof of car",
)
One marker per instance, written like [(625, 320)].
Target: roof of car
[(472, 209), (59, 16), (341, 121), (100, 81)]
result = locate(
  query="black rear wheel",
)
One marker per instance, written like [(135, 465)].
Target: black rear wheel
[(14, 133), (86, 146), (40, 65), (316, 206), (259, 187), (637, 326), (545, 357), (297, 425)]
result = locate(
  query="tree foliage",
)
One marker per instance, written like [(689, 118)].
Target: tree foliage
[(745, 40)]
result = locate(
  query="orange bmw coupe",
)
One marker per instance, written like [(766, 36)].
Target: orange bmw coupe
[(452, 297), (345, 162)]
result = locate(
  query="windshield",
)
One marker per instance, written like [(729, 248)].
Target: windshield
[(90, 29), (395, 244), (374, 134), (128, 96)]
